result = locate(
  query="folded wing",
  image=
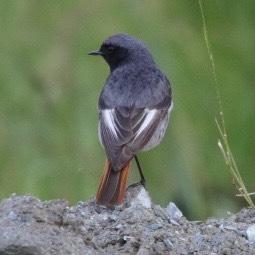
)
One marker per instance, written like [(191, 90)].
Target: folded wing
[(125, 131)]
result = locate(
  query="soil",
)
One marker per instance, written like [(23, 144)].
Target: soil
[(29, 226)]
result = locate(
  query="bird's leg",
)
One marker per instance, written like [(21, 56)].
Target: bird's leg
[(143, 181)]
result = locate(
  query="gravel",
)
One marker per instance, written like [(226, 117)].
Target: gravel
[(29, 226)]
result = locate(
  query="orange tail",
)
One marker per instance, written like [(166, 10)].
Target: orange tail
[(112, 186)]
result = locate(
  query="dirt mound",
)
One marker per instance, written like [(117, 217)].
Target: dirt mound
[(29, 226)]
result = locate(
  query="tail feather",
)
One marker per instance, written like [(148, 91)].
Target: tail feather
[(112, 187)]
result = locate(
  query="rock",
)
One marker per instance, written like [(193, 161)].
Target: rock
[(168, 244), (173, 212), (251, 234), (137, 195), (29, 226)]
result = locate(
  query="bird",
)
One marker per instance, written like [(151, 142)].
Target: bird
[(134, 108)]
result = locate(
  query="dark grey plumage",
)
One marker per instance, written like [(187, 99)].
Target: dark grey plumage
[(135, 102)]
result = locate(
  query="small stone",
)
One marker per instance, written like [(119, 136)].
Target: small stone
[(137, 196), (143, 199), (251, 234), (112, 218), (12, 215), (119, 226), (104, 217), (169, 245), (173, 212), (155, 226)]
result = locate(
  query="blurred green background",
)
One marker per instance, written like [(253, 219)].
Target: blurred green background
[(49, 89)]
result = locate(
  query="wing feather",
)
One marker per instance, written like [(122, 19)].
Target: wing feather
[(125, 131)]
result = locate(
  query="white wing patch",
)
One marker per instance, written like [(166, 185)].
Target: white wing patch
[(108, 117), (150, 114), (159, 132), (138, 130)]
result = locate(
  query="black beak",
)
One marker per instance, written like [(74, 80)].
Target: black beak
[(96, 53)]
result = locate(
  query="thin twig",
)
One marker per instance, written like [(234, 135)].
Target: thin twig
[(223, 143)]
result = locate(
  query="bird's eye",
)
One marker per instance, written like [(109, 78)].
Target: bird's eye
[(110, 48)]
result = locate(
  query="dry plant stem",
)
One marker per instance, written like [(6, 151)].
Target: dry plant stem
[(223, 140), (230, 162)]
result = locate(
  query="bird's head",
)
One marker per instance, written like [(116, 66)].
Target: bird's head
[(122, 48)]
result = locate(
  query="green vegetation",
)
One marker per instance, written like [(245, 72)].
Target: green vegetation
[(49, 90)]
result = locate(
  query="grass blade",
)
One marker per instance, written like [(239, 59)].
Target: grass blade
[(223, 143)]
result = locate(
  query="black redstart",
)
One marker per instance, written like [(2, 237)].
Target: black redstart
[(134, 108)]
